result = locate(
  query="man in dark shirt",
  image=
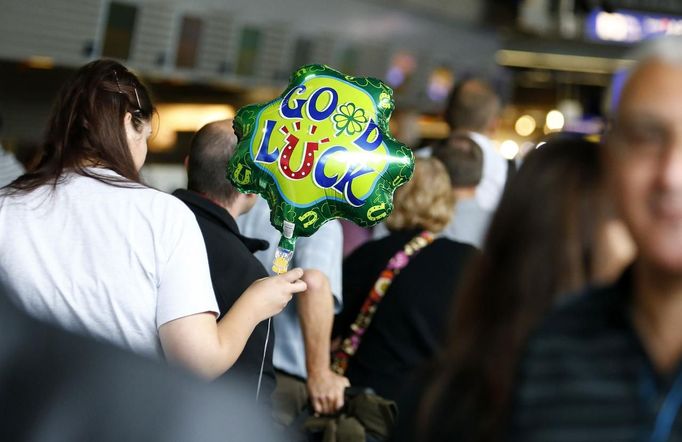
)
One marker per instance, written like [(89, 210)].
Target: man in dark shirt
[(606, 366), (216, 204)]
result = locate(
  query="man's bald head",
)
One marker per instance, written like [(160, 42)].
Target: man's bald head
[(210, 151), (473, 106)]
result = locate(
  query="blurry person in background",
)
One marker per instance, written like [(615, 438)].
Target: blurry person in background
[(60, 387), (463, 159), (606, 366), (473, 109), (216, 205), (404, 126), (10, 167), (86, 246), (544, 241), (408, 326)]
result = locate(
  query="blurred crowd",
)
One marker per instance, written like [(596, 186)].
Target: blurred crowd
[(530, 300)]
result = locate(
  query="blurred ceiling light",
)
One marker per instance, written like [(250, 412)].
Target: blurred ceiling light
[(631, 26), (555, 120), (181, 117), (509, 149), (614, 26), (40, 62), (525, 125)]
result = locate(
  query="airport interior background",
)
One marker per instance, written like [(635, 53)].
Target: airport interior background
[(552, 60)]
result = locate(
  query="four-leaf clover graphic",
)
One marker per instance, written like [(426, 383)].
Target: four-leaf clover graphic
[(349, 119)]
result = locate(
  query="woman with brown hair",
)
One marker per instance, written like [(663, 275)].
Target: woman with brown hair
[(409, 322), (86, 245), (552, 234)]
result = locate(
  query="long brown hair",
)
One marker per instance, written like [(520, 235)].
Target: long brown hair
[(540, 244), (86, 127)]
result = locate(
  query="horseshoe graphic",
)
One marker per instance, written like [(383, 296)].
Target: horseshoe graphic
[(307, 160)]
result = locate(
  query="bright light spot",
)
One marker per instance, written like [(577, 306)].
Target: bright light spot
[(40, 62), (540, 144), (525, 125), (509, 149), (617, 27), (184, 117), (555, 120)]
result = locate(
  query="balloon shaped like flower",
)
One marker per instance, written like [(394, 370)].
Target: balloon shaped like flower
[(321, 150)]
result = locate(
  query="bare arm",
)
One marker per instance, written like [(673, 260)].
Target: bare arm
[(316, 313), (208, 348)]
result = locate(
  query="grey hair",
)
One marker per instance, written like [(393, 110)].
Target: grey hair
[(667, 49)]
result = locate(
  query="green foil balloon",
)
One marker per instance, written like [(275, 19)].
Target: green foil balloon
[(321, 150)]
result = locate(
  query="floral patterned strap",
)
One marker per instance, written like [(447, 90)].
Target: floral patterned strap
[(358, 328)]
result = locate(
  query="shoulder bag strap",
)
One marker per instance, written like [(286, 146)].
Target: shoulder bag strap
[(398, 262)]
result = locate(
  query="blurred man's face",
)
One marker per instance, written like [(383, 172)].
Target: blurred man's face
[(646, 148)]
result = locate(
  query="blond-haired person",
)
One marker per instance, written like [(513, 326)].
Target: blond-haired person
[(408, 325)]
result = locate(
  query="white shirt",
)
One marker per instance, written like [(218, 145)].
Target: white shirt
[(115, 263), (494, 177), (469, 223), (322, 251)]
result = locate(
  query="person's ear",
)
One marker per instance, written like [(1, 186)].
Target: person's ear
[(128, 124), (186, 162), (249, 198)]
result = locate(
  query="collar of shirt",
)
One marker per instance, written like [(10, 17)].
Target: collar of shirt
[(220, 215), (617, 307)]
